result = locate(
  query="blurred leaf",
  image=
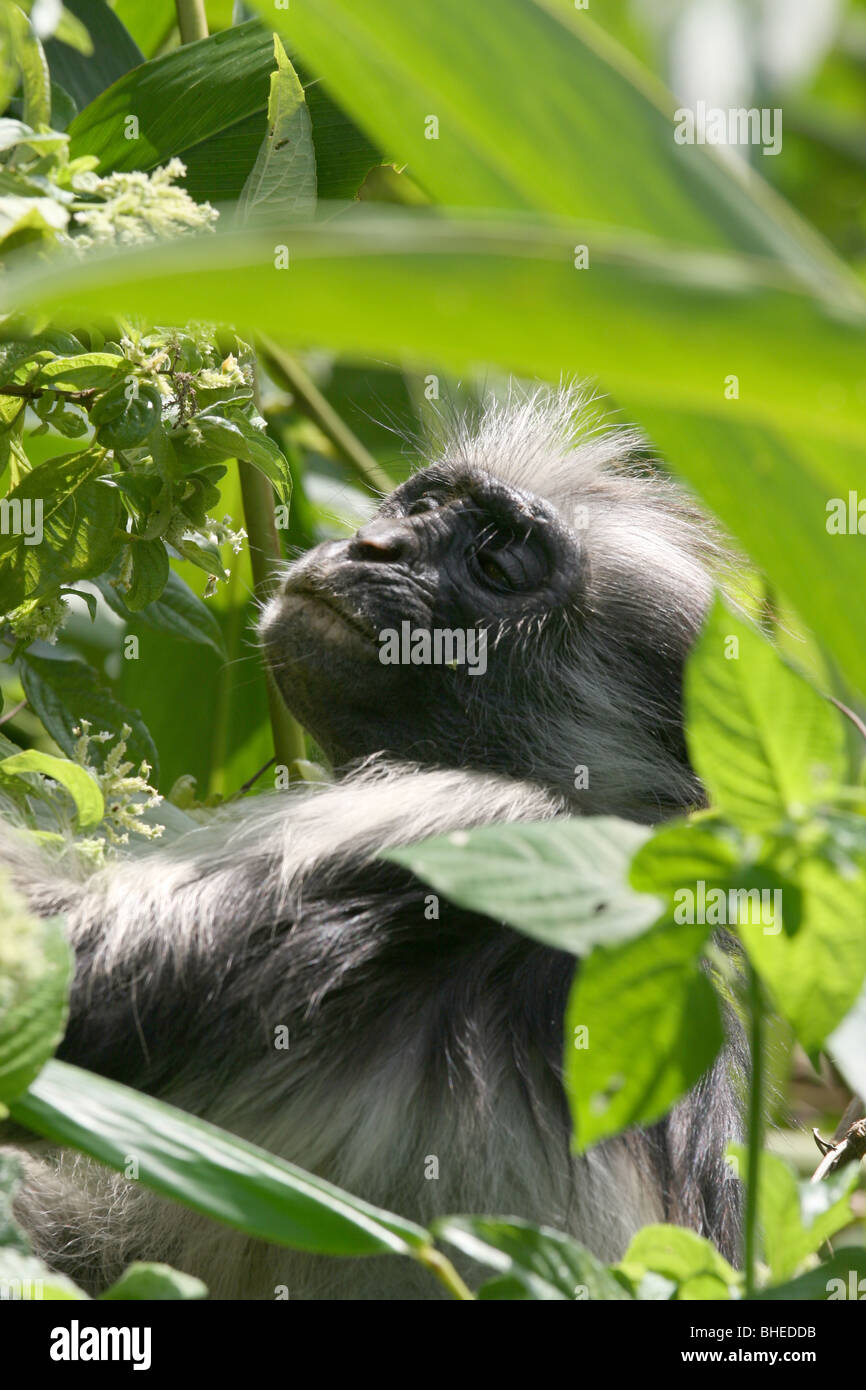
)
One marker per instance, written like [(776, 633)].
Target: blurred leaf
[(460, 293), (693, 1266), (84, 75), (564, 882), (642, 1027), (208, 1169), (534, 1262), (843, 1277), (35, 974), (30, 1278), (153, 1283), (797, 1216), (282, 182)]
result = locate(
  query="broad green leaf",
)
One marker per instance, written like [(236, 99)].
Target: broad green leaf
[(84, 75), (26, 1277), (798, 1217), (841, 1278), (815, 973), (679, 855), (208, 1169), (541, 1263), (89, 803), (422, 289), (218, 137), (580, 130), (35, 974), (177, 611), (564, 882), (764, 743), (63, 692), (153, 1283), (642, 1027), (692, 1265), (282, 182)]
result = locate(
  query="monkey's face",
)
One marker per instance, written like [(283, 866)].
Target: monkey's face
[(403, 638)]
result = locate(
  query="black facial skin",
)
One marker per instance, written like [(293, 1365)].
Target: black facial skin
[(445, 550)]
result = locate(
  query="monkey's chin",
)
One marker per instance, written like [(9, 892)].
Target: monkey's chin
[(326, 665)]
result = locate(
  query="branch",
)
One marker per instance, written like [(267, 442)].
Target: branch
[(289, 374), (191, 20)]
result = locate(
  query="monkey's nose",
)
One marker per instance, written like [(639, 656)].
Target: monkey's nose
[(384, 542)]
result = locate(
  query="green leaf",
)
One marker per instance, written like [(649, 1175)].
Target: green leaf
[(693, 1266), (85, 372), (764, 743), (457, 293), (564, 882), (798, 1217), (84, 791), (207, 103), (534, 1261), (35, 82), (27, 1277), (62, 692), (177, 611), (642, 1027), (282, 182), (150, 571), (842, 1277), (85, 74), (815, 973), (11, 1234), (35, 974), (208, 1169), (153, 1283), (579, 131)]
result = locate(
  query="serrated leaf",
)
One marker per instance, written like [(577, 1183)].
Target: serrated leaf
[(564, 882), (761, 739), (642, 1027)]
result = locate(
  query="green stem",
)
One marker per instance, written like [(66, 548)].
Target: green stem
[(191, 20), (289, 373), (756, 1128), (445, 1272), (265, 554)]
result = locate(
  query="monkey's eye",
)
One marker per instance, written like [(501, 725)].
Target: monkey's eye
[(513, 567), (427, 503)]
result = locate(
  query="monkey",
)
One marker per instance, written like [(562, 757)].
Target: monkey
[(412, 1035)]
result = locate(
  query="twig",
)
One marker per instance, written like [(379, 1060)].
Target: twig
[(848, 1144), (289, 373), (11, 713)]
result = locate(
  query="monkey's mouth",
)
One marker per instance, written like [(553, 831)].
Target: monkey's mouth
[(347, 616)]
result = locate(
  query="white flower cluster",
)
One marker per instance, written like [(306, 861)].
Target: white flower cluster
[(138, 207), (126, 797)]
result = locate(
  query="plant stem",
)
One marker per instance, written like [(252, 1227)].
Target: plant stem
[(445, 1272), (258, 499), (756, 1128), (191, 20), (289, 373)]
